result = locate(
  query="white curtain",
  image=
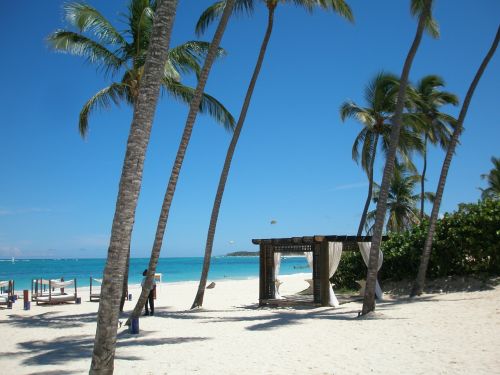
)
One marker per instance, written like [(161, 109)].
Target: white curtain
[(277, 263), (61, 284), (334, 254), (309, 258), (364, 247)]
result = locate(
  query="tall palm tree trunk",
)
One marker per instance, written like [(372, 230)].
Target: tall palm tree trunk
[(128, 194), (371, 277), (373, 152), (422, 181), (125, 281), (198, 301), (418, 286), (181, 152)]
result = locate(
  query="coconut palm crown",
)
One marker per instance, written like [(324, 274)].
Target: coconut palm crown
[(380, 96), (214, 11), (124, 53), (402, 209), (493, 179), (435, 126)]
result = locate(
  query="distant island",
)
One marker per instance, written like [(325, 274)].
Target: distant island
[(243, 254), (256, 254)]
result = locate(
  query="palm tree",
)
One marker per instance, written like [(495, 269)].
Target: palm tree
[(380, 95), (435, 125), (211, 13), (493, 179), (423, 9), (418, 286), (181, 152), (402, 209), (124, 53), (112, 52), (130, 184)]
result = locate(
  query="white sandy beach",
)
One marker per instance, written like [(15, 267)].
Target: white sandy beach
[(456, 333)]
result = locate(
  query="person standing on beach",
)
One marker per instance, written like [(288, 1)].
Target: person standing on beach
[(150, 299)]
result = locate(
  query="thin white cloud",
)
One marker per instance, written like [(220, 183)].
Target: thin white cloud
[(23, 211), (350, 186), (92, 240)]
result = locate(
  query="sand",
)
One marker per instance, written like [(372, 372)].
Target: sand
[(455, 333)]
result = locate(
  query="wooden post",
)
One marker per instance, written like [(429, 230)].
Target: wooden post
[(271, 272), (316, 251), (50, 291), (325, 270), (262, 273)]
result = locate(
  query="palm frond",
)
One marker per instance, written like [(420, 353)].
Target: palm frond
[(86, 18), (140, 20), (430, 196), (352, 110), (188, 57), (103, 99), (381, 92), (431, 25), (366, 152), (215, 10), (360, 139), (79, 45), (341, 8), (208, 105)]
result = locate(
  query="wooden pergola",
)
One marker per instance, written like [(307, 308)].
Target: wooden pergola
[(318, 245)]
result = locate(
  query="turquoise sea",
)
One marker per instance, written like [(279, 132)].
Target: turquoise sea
[(22, 271)]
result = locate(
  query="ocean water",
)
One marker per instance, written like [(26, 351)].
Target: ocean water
[(22, 271)]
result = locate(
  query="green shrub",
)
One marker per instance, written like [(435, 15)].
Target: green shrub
[(466, 242)]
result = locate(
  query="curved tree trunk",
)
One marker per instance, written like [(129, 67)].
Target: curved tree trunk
[(418, 286), (125, 281), (422, 181), (373, 152), (198, 301), (181, 152), (128, 194), (371, 277)]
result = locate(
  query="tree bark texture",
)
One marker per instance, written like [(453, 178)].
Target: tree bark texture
[(373, 153), (129, 187), (181, 152), (371, 277), (422, 181), (418, 286), (198, 301), (125, 281)]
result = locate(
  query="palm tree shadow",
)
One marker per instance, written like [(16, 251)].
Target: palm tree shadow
[(69, 348), (50, 319)]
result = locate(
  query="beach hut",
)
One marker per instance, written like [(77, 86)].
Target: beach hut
[(323, 254)]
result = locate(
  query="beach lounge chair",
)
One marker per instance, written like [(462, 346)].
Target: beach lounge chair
[(95, 291), (6, 291), (40, 287), (55, 297)]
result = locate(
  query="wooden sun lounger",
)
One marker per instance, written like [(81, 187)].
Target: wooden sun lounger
[(53, 297), (6, 291), (95, 295), (40, 288)]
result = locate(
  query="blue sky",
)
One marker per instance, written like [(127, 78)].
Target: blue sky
[(293, 162)]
